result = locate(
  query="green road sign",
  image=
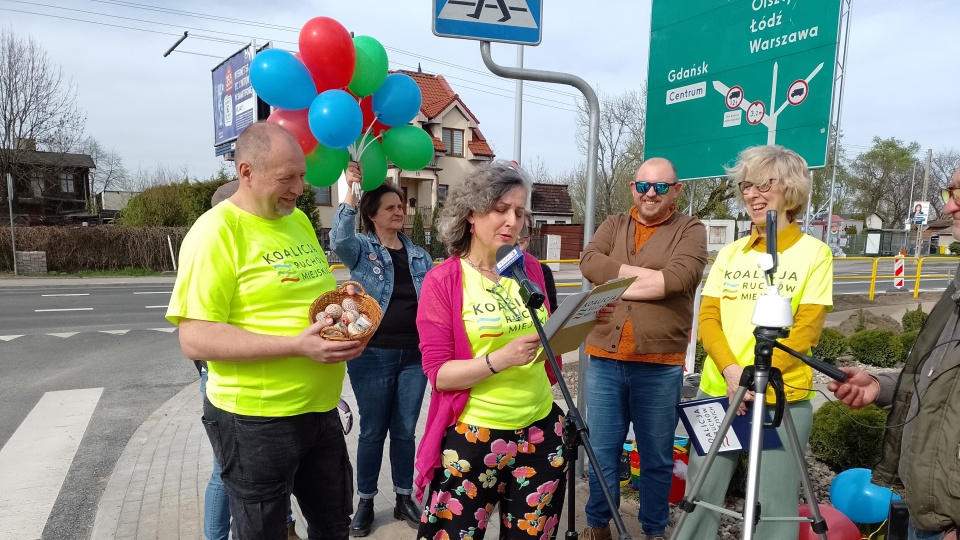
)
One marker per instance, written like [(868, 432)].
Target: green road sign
[(728, 74)]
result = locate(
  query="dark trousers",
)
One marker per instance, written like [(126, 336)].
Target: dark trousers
[(523, 472), (265, 459)]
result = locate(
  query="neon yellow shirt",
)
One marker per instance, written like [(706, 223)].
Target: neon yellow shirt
[(805, 275), (259, 275), (493, 315)]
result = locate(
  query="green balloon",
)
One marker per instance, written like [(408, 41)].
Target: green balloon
[(325, 165), (371, 66), (408, 147), (373, 163)]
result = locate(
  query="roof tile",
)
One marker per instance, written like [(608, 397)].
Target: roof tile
[(551, 199)]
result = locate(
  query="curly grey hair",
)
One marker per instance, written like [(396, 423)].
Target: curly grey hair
[(765, 164), (477, 194)]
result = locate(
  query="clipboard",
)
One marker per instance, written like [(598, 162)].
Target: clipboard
[(573, 321), (701, 419)]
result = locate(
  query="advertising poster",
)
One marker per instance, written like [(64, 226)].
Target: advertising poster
[(234, 101)]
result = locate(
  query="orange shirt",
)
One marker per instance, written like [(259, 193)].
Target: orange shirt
[(626, 346)]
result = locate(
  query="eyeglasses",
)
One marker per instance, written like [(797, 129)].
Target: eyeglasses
[(950, 193), (744, 186), (660, 188)]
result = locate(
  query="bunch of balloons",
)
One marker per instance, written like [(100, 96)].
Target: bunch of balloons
[(863, 502), (337, 99)]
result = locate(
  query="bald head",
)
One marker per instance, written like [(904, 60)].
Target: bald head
[(661, 164), (254, 144)]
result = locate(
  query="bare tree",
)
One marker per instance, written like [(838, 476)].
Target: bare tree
[(537, 171), (622, 121), (160, 175), (110, 173), (712, 198), (38, 108)]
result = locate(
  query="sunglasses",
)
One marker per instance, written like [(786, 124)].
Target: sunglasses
[(744, 186), (950, 193), (346, 416), (660, 188)]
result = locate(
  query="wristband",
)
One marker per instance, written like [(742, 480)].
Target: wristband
[(489, 365)]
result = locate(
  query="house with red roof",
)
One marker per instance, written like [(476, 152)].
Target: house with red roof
[(459, 147)]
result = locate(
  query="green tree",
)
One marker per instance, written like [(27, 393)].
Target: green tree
[(307, 203), (419, 235), (712, 198), (880, 179), (437, 249), (822, 177)]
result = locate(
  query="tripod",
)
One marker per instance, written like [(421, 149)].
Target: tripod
[(575, 432)]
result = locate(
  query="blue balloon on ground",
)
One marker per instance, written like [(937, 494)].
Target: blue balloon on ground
[(397, 101), (282, 80), (863, 502), (335, 119)]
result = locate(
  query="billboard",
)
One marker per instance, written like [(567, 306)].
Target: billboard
[(728, 74), (234, 101)]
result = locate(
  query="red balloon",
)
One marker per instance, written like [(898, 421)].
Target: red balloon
[(839, 526), (327, 50), (297, 124), (366, 107)]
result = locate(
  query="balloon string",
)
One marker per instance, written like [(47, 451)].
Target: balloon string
[(363, 140)]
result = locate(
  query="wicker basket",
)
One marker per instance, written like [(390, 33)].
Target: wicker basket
[(366, 303)]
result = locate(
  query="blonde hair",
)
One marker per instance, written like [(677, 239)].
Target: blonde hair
[(767, 164)]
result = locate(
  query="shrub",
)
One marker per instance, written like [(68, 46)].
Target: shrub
[(419, 235), (861, 321), (954, 248), (913, 320), (846, 438), (832, 344), (879, 348), (699, 358), (907, 339)]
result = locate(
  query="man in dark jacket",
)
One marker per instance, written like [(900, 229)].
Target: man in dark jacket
[(921, 448)]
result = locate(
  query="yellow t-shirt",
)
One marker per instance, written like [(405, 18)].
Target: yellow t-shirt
[(260, 275), (805, 275), (493, 315)]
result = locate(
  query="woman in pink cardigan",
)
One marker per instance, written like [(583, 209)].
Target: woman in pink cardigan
[(493, 435)]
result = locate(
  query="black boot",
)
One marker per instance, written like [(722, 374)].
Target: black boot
[(362, 519), (407, 510)]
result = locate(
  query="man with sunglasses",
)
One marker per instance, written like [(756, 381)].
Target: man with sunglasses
[(921, 443), (636, 359)]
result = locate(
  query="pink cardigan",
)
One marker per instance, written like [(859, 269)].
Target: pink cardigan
[(443, 338)]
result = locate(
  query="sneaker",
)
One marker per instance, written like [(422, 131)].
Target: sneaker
[(591, 533)]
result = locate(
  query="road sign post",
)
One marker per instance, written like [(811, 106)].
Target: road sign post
[(711, 58), (898, 271)]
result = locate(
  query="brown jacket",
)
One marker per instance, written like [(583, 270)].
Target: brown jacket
[(678, 249)]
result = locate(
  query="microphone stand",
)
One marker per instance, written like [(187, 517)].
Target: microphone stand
[(575, 432)]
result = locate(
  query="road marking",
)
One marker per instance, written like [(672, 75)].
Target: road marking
[(10, 338), (156, 307), (36, 459), (64, 334), (169, 330), (64, 309), (115, 332), (71, 294), (154, 292)]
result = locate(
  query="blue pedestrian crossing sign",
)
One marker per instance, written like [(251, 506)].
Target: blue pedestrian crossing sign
[(506, 21)]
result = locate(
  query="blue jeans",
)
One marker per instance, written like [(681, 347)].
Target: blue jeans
[(646, 394), (389, 386), (216, 501), (916, 534)]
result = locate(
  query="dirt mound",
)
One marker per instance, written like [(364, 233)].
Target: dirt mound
[(870, 321)]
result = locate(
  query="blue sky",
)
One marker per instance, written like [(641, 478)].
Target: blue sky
[(902, 77)]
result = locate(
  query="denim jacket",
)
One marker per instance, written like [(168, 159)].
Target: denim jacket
[(369, 262)]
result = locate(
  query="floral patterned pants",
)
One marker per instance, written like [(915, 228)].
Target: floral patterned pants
[(522, 471)]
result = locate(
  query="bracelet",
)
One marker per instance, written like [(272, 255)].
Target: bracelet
[(489, 365)]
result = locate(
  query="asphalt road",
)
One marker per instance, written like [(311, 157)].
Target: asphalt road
[(138, 369)]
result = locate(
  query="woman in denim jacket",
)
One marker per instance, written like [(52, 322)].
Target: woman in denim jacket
[(387, 378)]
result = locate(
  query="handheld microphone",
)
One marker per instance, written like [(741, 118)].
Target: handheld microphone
[(510, 265)]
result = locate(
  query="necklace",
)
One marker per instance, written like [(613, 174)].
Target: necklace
[(478, 268)]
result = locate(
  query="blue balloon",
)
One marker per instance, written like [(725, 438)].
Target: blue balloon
[(335, 119), (397, 101), (863, 502), (282, 80)]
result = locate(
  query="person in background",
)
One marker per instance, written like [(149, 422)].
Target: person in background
[(636, 360), (923, 400), (249, 270), (493, 432), (523, 242), (768, 177), (387, 379)]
